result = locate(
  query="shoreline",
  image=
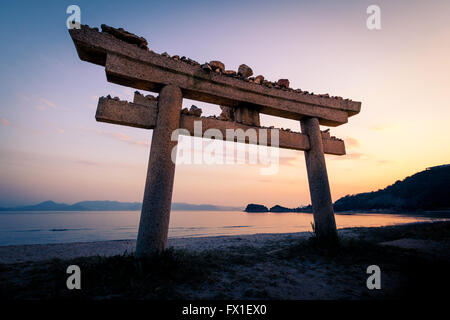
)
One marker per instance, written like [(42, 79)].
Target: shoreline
[(414, 259), (55, 228), (445, 214), (71, 250), (382, 211)]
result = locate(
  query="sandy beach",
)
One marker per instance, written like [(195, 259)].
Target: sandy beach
[(66, 251), (261, 266)]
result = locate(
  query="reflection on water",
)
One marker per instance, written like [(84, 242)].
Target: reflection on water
[(57, 227)]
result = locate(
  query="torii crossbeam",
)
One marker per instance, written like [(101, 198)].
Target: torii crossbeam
[(127, 62)]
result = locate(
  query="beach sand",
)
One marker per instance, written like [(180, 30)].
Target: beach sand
[(66, 251), (414, 260)]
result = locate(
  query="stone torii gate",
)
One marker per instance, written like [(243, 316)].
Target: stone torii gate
[(129, 62)]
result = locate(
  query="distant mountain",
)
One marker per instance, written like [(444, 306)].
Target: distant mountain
[(47, 206), (202, 207), (109, 205), (426, 190), (114, 206)]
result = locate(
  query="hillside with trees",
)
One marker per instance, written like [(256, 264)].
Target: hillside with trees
[(425, 190)]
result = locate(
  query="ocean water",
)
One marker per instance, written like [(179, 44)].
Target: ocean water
[(59, 227)]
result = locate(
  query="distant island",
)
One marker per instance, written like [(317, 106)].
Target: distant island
[(428, 190), (114, 206), (277, 208), (256, 208)]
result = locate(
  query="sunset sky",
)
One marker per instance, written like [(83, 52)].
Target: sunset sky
[(51, 147)]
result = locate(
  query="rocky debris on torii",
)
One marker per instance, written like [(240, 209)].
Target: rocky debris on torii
[(193, 111), (283, 83), (217, 66), (125, 36), (227, 113), (326, 135), (259, 79), (244, 72), (148, 96)]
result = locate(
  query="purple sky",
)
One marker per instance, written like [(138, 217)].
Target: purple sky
[(51, 147)]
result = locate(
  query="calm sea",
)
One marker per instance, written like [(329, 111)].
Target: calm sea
[(57, 227)]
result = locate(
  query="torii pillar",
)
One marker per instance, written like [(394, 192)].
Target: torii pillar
[(155, 215), (319, 187)]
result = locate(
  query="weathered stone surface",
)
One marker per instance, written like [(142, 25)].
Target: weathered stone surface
[(227, 113), (245, 71), (217, 65), (230, 73), (195, 111), (326, 134), (206, 67), (324, 222), (126, 36), (284, 83), (212, 90), (155, 215), (126, 113), (289, 140), (149, 71), (144, 100), (137, 115), (267, 83), (259, 79), (246, 115), (192, 62)]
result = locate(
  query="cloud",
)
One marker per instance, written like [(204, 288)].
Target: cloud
[(44, 104), (352, 142), (357, 155), (384, 161), (87, 163), (123, 137), (5, 122), (381, 127), (48, 102), (288, 161), (352, 156), (103, 164)]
